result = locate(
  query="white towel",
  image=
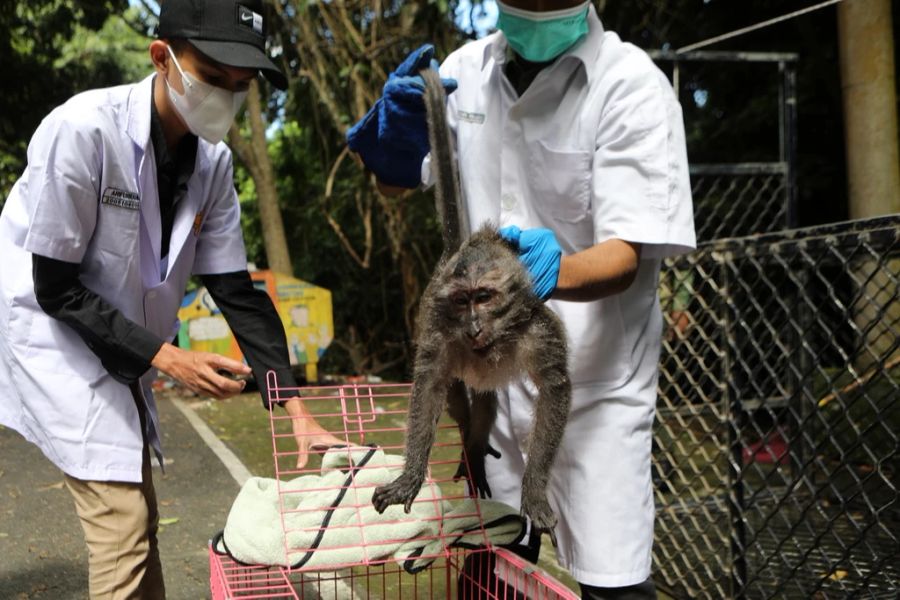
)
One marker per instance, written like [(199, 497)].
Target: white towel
[(329, 521)]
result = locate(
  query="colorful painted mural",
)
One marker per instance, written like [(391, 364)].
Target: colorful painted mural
[(305, 311)]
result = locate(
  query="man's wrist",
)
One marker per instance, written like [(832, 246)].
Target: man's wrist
[(164, 357)]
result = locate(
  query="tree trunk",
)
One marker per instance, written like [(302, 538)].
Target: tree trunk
[(873, 167), (254, 153), (870, 107)]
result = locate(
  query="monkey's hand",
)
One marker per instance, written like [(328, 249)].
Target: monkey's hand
[(473, 470), (536, 508), (402, 490)]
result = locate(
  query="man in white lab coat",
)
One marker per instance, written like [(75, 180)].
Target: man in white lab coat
[(127, 192), (573, 143)]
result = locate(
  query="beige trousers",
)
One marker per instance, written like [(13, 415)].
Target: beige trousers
[(120, 522)]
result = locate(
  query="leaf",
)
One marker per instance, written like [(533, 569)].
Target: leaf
[(168, 521), (53, 486), (838, 575)]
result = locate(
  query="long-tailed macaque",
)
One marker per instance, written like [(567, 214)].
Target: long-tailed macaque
[(480, 326)]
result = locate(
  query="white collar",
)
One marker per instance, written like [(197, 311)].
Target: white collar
[(138, 125)]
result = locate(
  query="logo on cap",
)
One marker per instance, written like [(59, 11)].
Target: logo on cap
[(248, 18)]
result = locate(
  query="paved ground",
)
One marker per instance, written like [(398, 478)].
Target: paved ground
[(42, 554)]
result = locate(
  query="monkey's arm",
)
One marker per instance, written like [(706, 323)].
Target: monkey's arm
[(602, 270), (430, 385), (549, 372)]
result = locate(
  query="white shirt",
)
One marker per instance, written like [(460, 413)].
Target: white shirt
[(89, 196), (594, 150)]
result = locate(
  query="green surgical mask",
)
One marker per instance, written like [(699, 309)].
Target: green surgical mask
[(542, 36)]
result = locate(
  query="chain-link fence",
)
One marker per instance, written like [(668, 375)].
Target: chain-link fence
[(741, 199), (776, 459)]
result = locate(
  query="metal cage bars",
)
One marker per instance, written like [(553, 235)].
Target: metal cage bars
[(778, 428), (743, 198), (332, 544)]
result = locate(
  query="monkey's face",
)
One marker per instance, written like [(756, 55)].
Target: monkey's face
[(473, 308), (485, 297)]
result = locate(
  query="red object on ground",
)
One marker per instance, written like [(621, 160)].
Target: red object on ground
[(772, 449)]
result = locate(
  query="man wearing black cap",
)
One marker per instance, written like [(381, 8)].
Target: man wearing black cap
[(128, 191)]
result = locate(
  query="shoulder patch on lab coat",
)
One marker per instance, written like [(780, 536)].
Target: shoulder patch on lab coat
[(121, 198)]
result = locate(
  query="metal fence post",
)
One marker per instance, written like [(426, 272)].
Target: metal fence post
[(788, 150), (736, 418)]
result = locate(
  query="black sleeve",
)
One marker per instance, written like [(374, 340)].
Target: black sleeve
[(124, 348), (256, 326)]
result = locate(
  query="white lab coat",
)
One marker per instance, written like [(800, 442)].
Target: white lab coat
[(89, 195), (594, 149)]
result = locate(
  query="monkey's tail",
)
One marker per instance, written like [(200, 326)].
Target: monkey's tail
[(446, 194)]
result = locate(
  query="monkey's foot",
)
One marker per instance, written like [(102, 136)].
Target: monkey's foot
[(540, 513), (473, 468), (402, 490)]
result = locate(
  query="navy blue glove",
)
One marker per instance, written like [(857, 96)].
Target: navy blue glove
[(540, 253), (392, 138)]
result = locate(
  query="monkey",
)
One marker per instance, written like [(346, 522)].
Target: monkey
[(479, 327)]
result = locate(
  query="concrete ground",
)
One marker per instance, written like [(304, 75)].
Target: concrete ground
[(42, 553)]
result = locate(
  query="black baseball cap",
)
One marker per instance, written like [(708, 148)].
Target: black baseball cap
[(231, 32)]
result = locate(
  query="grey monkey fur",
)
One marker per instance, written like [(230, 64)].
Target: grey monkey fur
[(480, 327)]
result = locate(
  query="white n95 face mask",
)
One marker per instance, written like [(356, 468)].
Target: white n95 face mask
[(207, 110)]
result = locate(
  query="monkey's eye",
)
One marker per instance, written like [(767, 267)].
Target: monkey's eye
[(482, 296), (459, 299)]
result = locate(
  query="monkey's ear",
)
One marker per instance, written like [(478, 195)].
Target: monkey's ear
[(513, 246)]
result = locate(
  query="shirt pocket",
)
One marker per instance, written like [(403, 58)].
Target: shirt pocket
[(117, 229), (561, 182)]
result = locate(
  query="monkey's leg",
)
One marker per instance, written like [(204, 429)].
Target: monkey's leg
[(551, 413), (425, 408), (483, 414), (458, 408)]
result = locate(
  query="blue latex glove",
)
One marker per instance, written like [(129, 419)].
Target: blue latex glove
[(392, 138), (540, 253)]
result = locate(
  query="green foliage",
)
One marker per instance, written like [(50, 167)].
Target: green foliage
[(114, 53), (49, 53), (367, 301), (373, 253)]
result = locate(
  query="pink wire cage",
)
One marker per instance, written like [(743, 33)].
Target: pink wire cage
[(363, 562)]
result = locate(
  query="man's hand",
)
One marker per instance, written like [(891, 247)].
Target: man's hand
[(540, 253), (392, 138), (199, 371), (310, 436)]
